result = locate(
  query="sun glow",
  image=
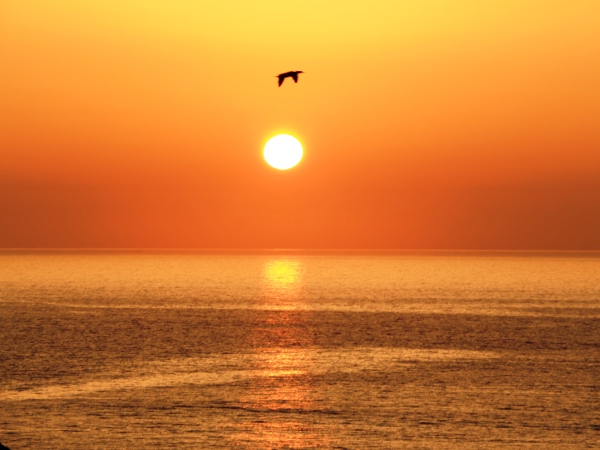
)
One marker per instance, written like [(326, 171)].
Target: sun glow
[(283, 151)]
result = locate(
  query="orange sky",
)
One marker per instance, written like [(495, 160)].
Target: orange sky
[(455, 124)]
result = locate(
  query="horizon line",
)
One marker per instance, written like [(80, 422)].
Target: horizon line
[(297, 249)]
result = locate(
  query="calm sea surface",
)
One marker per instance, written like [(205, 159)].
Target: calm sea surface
[(108, 350)]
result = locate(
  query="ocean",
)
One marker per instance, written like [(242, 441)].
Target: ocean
[(290, 349)]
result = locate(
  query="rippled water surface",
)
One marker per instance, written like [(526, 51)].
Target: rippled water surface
[(109, 350)]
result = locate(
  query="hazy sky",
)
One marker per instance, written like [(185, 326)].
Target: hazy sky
[(458, 124)]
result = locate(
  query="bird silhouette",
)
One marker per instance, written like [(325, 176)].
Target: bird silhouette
[(293, 74)]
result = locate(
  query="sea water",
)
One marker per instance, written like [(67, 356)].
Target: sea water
[(283, 349)]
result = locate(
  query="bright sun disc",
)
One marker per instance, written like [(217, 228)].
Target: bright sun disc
[(283, 151)]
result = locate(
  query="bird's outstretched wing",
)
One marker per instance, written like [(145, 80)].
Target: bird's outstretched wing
[(295, 77)]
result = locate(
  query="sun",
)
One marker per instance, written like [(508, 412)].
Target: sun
[(283, 151)]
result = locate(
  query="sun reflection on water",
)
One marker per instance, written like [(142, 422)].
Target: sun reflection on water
[(282, 283), (285, 404), (283, 274), (286, 408)]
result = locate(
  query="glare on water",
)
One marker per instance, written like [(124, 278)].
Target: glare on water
[(282, 283)]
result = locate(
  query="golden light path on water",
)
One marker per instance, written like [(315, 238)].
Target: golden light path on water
[(288, 386), (283, 283)]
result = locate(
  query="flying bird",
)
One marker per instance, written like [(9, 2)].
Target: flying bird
[(293, 74)]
